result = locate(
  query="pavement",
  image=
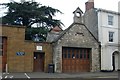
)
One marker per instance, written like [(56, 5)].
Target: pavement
[(85, 75)]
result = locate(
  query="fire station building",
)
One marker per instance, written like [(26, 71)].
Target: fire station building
[(72, 50)]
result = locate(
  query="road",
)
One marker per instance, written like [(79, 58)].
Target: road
[(59, 76)]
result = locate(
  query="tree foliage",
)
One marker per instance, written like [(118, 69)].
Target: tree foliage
[(28, 13)]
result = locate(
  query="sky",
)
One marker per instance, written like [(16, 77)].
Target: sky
[(68, 6)]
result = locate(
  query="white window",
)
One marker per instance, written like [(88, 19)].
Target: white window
[(110, 20), (111, 36)]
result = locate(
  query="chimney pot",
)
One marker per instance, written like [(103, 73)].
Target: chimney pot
[(89, 4), (90, 0)]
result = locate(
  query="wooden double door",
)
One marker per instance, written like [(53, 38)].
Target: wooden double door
[(38, 62), (76, 59)]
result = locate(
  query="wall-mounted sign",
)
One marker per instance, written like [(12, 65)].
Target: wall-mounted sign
[(39, 48), (20, 53)]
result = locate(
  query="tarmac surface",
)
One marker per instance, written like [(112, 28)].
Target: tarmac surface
[(63, 76)]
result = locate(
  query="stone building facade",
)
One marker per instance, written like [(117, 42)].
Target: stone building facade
[(76, 49), (23, 55)]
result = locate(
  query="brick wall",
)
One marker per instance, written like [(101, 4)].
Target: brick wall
[(16, 43), (47, 48)]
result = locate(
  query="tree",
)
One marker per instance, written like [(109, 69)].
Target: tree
[(28, 13)]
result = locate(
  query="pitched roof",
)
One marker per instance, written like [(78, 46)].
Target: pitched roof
[(57, 28), (64, 32), (78, 10)]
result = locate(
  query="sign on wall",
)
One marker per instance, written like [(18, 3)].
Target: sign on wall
[(39, 48), (20, 53)]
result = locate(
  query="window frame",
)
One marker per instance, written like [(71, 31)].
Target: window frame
[(111, 36), (110, 20)]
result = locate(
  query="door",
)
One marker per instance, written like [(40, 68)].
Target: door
[(76, 60), (38, 62), (4, 53), (115, 61)]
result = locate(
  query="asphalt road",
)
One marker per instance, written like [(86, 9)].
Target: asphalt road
[(63, 76), (63, 79)]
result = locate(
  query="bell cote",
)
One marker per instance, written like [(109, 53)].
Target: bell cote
[(77, 15)]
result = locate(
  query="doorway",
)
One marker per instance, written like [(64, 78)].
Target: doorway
[(115, 60), (75, 59), (4, 53), (39, 61)]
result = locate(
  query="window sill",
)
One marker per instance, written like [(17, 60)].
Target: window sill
[(112, 44)]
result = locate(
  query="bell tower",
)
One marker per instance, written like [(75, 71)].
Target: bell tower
[(78, 16)]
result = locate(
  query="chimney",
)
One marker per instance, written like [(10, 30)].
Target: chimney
[(89, 5)]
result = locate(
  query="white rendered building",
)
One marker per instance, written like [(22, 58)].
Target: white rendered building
[(108, 36), (104, 26)]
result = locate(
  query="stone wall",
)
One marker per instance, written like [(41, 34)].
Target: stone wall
[(91, 21), (77, 35)]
